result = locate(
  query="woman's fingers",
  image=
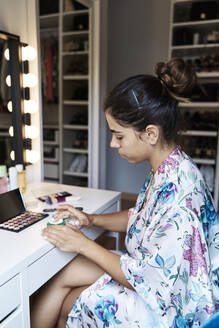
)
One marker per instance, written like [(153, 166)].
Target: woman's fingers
[(72, 227), (62, 215), (78, 217), (61, 232), (66, 207), (53, 232), (67, 238)]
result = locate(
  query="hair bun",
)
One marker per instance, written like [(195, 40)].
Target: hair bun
[(177, 75)]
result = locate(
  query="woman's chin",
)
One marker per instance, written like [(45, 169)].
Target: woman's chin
[(129, 159)]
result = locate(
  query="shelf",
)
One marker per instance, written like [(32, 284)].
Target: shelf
[(76, 12), (75, 127), (76, 174), (207, 74), (198, 133), (204, 161), (196, 46), (203, 23), (75, 150), (50, 143), (75, 33), (181, 22), (75, 102), (75, 77), (178, 1), (52, 160), (181, 1), (49, 16), (194, 50), (199, 104), (73, 53)]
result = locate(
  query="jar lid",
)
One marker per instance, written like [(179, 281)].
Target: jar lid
[(19, 167), (3, 171)]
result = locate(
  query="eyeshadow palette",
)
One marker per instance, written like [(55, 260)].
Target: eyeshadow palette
[(13, 214), (22, 221), (57, 197)]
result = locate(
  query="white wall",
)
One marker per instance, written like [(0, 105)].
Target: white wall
[(137, 39), (19, 17)]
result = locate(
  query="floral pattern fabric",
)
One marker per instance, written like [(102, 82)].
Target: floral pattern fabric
[(171, 261)]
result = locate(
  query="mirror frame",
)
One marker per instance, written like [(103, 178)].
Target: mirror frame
[(15, 61)]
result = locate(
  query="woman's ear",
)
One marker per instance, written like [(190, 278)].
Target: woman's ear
[(152, 133)]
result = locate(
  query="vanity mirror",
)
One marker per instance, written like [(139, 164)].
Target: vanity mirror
[(11, 140)]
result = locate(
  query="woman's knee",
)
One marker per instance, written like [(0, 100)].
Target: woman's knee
[(75, 274), (68, 303)]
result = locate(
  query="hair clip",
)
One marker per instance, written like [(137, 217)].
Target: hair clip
[(136, 99), (162, 81)]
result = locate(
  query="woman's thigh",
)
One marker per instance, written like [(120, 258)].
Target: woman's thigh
[(80, 272)]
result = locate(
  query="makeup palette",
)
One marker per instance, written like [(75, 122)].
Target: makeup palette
[(13, 214), (22, 221)]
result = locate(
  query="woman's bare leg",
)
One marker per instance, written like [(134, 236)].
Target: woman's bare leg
[(48, 303), (67, 305)]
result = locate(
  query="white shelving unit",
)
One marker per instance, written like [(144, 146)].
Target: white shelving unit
[(191, 39), (75, 114)]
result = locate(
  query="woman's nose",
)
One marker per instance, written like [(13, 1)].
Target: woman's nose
[(114, 143)]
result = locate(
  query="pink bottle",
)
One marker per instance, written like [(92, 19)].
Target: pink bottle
[(3, 179)]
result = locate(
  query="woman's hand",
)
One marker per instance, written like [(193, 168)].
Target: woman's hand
[(66, 237), (79, 218)]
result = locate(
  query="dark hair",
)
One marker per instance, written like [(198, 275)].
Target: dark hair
[(146, 99)]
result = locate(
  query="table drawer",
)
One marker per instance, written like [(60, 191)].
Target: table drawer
[(15, 320), (45, 267), (111, 209), (10, 296)]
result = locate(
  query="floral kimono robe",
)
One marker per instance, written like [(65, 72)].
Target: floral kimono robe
[(171, 260)]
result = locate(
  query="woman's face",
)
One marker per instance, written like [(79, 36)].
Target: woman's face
[(128, 142)]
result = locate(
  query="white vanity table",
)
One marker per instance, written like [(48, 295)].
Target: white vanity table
[(27, 261)]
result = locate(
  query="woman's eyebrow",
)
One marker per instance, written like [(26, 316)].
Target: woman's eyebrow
[(114, 131)]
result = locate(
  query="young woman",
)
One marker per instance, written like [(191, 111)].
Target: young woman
[(166, 277)]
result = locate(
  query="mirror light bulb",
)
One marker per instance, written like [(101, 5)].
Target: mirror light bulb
[(8, 80), (30, 106), (7, 54), (11, 131), (31, 131), (28, 53), (12, 155), (29, 80), (9, 106), (32, 156)]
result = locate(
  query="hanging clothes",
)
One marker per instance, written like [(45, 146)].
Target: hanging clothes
[(49, 68), (49, 73)]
